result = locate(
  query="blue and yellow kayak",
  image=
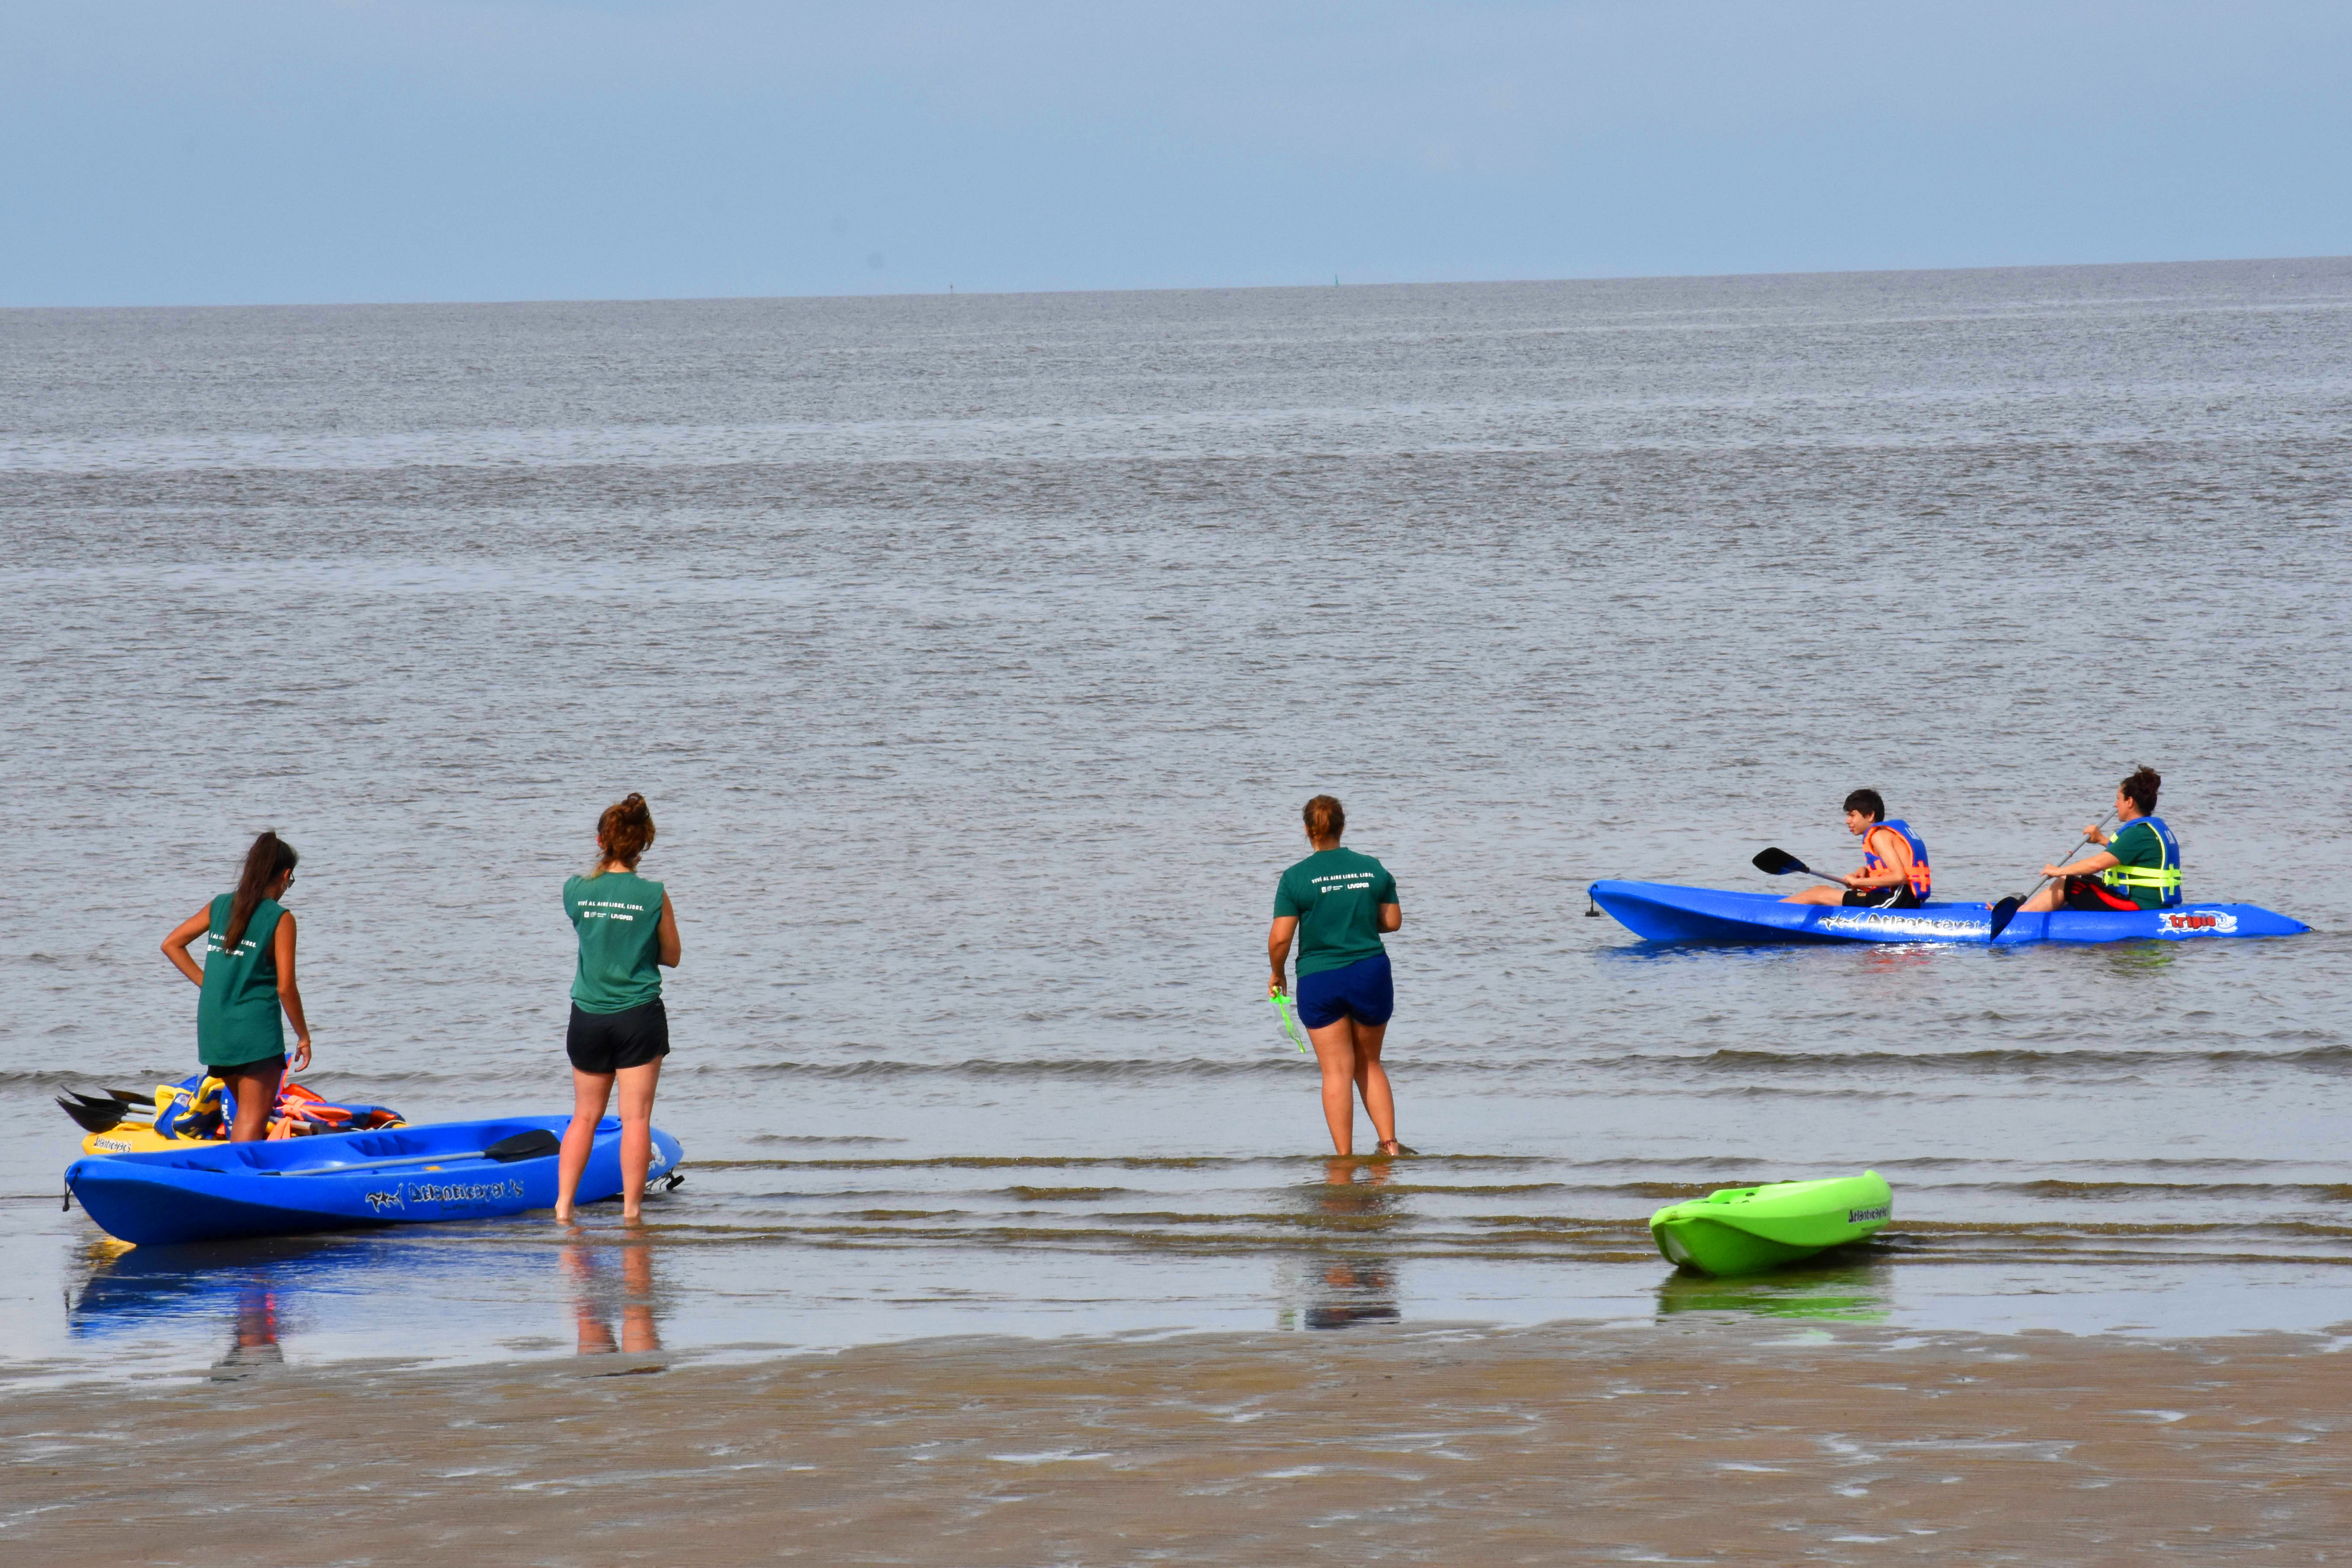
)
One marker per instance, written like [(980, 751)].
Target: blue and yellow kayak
[(1663, 912), (339, 1181)]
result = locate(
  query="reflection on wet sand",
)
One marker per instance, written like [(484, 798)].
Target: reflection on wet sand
[(1340, 1287), (592, 1282), (1844, 1291), (253, 1340)]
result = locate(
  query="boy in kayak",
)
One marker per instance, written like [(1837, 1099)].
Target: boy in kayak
[(2140, 868), (1894, 874)]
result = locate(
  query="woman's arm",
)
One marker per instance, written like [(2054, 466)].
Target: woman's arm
[(289, 996), (175, 945), (670, 949), (2090, 865), (1277, 950), (1391, 917)]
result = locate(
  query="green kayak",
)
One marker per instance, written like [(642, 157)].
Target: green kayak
[(1742, 1229)]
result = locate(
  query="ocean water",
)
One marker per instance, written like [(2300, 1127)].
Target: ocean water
[(976, 654)]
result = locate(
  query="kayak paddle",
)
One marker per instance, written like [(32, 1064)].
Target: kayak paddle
[(534, 1144), (1781, 863), (1282, 1010), (92, 1115), (2006, 910)]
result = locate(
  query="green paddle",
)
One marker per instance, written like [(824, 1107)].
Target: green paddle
[(1289, 1025)]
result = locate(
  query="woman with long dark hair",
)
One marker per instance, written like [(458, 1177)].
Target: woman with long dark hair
[(620, 1030), (246, 979)]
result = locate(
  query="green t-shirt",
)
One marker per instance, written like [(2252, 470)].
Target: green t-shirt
[(1337, 895), (238, 1018), (2135, 844), (618, 917)]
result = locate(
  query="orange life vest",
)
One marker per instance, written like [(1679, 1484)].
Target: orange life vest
[(1920, 877)]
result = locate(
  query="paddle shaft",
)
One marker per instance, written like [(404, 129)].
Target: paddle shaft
[(2080, 845)]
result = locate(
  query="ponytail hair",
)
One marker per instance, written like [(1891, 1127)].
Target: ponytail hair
[(622, 833), (269, 856), (1325, 818), (2141, 787)]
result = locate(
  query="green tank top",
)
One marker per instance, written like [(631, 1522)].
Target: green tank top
[(618, 917), (237, 1016)]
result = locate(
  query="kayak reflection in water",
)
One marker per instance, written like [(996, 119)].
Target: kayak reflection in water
[(638, 1334), (2140, 868), (1895, 873), (1337, 903)]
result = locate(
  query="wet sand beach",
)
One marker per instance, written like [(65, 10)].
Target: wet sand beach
[(1702, 1441)]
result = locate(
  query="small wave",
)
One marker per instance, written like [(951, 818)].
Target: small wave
[(2323, 1058)]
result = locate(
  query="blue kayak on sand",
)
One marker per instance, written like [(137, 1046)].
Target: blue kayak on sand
[(1663, 912), (339, 1181)]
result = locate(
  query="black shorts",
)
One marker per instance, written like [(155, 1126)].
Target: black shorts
[(1899, 896), (607, 1043), (2090, 893)]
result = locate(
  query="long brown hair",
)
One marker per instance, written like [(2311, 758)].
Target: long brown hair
[(623, 832), (1325, 818), (269, 856)]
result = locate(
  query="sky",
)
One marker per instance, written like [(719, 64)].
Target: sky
[(266, 150)]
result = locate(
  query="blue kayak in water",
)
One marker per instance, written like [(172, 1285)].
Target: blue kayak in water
[(1663, 912), (339, 1181)]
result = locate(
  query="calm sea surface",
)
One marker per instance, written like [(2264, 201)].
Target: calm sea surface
[(976, 655)]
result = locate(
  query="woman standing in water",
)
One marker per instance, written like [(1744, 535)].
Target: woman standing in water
[(620, 1031), (1337, 903), (248, 975)]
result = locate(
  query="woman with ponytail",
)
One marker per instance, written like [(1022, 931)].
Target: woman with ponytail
[(620, 1030), (247, 977)]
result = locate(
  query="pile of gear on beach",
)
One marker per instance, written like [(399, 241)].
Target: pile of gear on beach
[(200, 1109)]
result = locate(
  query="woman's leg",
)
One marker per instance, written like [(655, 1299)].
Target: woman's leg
[(637, 1134), (257, 1097), (1373, 1081), (1822, 892), (1335, 1053), (589, 1092), (2049, 898)]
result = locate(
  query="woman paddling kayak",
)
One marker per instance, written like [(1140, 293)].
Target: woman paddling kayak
[(1337, 903), (2140, 868), (619, 1031), (246, 979)]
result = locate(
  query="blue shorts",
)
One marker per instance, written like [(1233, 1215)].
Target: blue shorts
[(1363, 991)]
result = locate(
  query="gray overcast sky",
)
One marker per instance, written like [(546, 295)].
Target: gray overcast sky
[(229, 152)]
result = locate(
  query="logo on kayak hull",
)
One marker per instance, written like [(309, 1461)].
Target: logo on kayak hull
[(2199, 923), (1866, 1216), (1922, 928)]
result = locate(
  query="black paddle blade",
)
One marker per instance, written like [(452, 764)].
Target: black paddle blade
[(2002, 914), (532, 1146), (100, 1118), (1779, 862)]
